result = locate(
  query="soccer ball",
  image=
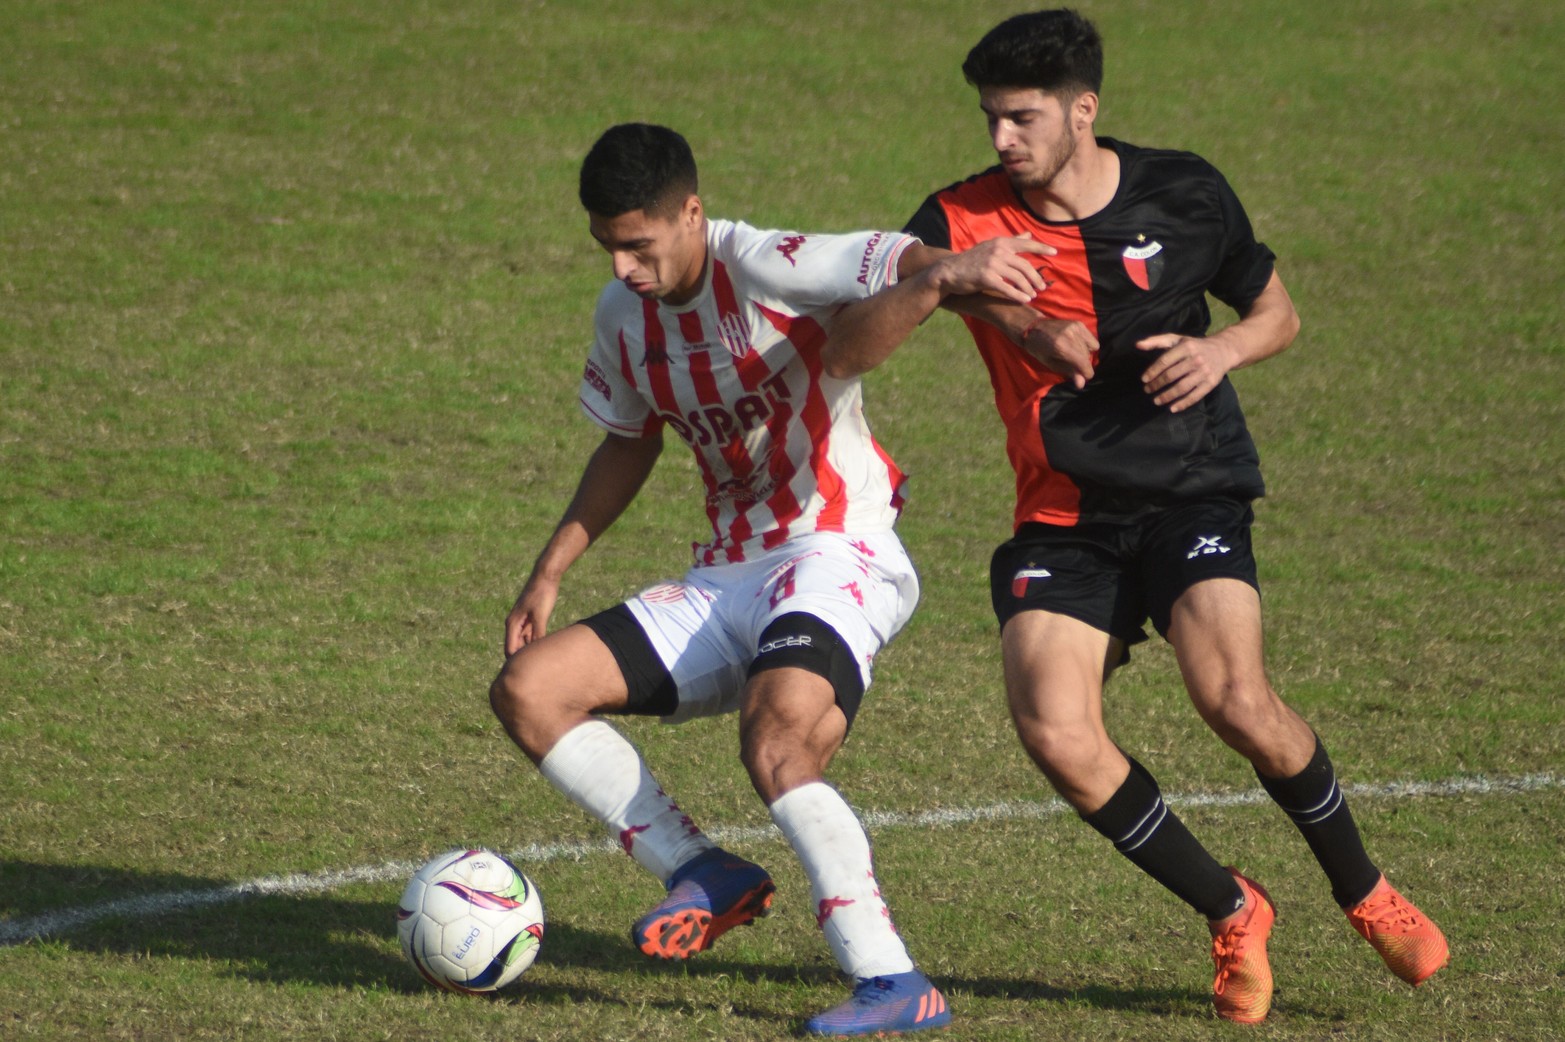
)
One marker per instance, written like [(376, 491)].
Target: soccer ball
[(470, 921)]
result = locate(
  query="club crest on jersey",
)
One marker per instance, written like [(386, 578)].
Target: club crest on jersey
[(733, 331), (1020, 580), (1143, 262)]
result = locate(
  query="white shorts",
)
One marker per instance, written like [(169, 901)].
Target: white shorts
[(707, 627)]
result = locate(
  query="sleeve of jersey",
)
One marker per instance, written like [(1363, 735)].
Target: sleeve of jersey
[(807, 272), (607, 396), (1246, 266), (931, 224)]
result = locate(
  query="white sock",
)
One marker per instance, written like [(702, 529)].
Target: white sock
[(605, 776), (831, 844)]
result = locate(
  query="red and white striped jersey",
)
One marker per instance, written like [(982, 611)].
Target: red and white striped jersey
[(782, 448)]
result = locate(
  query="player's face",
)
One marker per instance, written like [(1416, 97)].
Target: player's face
[(1033, 133), (657, 257)]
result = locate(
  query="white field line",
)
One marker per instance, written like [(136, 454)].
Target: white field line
[(48, 924)]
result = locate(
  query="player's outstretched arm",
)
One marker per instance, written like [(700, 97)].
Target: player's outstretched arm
[(1063, 345), (615, 473), (864, 333), (1189, 367)]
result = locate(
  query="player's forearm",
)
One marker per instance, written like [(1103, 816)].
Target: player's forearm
[(866, 332), (609, 483), (1265, 330), (1011, 319)]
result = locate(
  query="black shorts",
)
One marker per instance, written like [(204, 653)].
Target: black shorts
[(1114, 576)]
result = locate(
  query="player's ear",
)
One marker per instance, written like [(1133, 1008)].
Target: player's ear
[(1084, 110), (691, 212)]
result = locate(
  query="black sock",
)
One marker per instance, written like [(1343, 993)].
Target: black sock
[(1141, 827), (1314, 801)]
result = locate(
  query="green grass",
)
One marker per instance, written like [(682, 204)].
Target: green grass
[(293, 305)]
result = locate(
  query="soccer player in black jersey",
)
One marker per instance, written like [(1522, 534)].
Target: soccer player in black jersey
[(1134, 477)]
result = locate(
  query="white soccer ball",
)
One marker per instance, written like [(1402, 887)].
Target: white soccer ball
[(470, 921)]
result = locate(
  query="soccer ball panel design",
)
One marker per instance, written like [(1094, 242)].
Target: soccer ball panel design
[(470, 921)]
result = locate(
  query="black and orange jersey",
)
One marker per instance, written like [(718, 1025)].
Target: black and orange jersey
[(1142, 265)]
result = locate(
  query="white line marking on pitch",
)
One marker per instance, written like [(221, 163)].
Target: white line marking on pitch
[(48, 924)]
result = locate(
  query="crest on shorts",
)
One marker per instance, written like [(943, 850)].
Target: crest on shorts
[(1020, 579), (1143, 262)]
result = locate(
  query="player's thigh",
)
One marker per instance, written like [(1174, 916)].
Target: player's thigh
[(1054, 668), (1215, 630), (861, 589), (570, 670), (684, 661)]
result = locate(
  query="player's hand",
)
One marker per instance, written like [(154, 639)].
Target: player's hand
[(995, 267), (1064, 345), (1187, 370), (529, 618)]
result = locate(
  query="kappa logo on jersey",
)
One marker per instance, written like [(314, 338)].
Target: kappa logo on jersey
[(1206, 545), (789, 246), (654, 355), (1020, 580), (1144, 262)]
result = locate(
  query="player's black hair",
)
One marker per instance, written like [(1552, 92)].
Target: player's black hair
[(637, 166), (1055, 51)]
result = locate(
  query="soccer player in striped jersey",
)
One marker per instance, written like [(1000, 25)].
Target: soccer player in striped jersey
[(748, 345), (1134, 478)]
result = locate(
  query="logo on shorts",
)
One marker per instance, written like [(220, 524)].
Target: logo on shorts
[(1019, 581), (1206, 545), (664, 593), (801, 641)]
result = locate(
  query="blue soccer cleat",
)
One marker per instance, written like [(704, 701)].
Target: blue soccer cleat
[(707, 896), (885, 1005)]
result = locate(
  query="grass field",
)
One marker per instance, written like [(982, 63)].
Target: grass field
[(293, 304)]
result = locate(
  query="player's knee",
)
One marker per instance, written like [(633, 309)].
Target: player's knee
[(1243, 713), (517, 692), (778, 762), (764, 755), (1065, 751)]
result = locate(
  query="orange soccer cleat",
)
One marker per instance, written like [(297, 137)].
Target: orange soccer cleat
[(1242, 990), (707, 897), (1410, 943)]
